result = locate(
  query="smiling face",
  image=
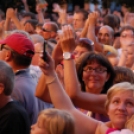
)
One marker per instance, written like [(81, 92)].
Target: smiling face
[(94, 80), (105, 35), (121, 108)]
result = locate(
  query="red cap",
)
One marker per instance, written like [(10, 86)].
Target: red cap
[(20, 44)]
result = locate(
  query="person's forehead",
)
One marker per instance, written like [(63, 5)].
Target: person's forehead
[(104, 30), (78, 16), (127, 32), (47, 26)]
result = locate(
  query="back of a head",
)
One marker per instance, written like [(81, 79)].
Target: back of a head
[(57, 121), (123, 74), (36, 38), (6, 77), (82, 11), (112, 21)]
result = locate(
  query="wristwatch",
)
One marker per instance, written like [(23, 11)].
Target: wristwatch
[(68, 55)]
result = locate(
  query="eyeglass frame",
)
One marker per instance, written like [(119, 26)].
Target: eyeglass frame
[(97, 70), (2, 46)]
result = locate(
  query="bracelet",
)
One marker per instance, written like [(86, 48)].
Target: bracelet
[(51, 81)]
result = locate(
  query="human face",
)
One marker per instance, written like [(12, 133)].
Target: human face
[(38, 53), (46, 32), (121, 108), (130, 56), (79, 51), (126, 38), (105, 36), (78, 21), (36, 129), (93, 80), (3, 50)]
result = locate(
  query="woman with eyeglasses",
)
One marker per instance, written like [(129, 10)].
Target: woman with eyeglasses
[(94, 75)]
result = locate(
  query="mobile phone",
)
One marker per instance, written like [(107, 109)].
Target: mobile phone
[(45, 56)]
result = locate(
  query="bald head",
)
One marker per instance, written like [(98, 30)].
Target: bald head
[(106, 35)]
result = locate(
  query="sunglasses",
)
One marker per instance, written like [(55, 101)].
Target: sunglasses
[(2, 46), (45, 30)]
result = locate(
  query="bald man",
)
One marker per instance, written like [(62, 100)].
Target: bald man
[(106, 35)]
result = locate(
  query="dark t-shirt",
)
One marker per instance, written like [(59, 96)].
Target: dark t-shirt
[(14, 119)]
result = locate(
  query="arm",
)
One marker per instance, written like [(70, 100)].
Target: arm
[(91, 32), (25, 5), (72, 86), (40, 15), (42, 90), (11, 15), (61, 100), (85, 29)]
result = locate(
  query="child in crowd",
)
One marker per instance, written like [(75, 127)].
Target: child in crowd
[(53, 121)]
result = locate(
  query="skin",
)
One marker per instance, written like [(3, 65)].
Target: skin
[(94, 81), (79, 51), (121, 108), (105, 35), (130, 56), (38, 53), (114, 60), (36, 129), (46, 35), (78, 21)]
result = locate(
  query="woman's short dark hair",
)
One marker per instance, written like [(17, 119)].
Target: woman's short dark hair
[(88, 58)]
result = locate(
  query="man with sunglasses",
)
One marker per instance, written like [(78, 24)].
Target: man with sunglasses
[(49, 30)]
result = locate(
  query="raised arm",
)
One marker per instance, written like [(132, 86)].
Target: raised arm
[(92, 18), (61, 100), (87, 101)]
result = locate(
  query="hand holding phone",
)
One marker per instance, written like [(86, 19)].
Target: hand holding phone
[(45, 56)]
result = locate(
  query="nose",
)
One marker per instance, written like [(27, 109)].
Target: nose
[(121, 107)]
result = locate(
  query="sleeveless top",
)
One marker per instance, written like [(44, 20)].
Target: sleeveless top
[(111, 130)]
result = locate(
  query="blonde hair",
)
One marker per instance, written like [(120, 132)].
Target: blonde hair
[(120, 87), (56, 121), (130, 124)]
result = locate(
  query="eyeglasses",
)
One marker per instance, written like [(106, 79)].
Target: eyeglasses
[(2, 46), (97, 70), (45, 30)]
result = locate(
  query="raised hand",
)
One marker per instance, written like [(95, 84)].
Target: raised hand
[(67, 39)]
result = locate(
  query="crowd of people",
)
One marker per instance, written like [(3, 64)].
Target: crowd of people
[(66, 73)]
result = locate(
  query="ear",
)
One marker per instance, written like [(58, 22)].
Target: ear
[(1, 88), (8, 56)]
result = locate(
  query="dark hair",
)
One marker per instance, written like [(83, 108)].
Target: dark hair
[(86, 43), (123, 74), (112, 21), (28, 14), (127, 27), (6, 77), (33, 22), (82, 11), (21, 60), (90, 57)]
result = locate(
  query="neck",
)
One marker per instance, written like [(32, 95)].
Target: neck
[(4, 100), (16, 68)]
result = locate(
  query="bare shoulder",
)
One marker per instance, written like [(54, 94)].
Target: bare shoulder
[(101, 129)]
